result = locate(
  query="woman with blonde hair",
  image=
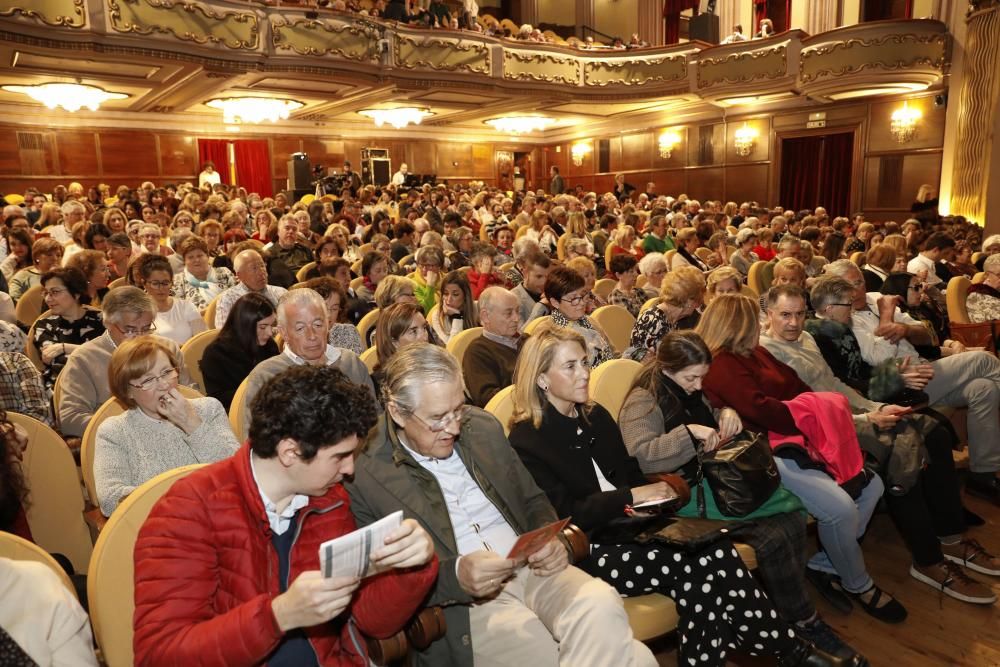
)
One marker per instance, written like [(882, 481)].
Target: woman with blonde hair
[(263, 220), (724, 280), (681, 294), (898, 243), (161, 429), (575, 452), (115, 220), (623, 241)]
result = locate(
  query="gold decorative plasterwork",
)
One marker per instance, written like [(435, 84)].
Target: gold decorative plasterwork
[(743, 67), (541, 67), (308, 37), (889, 52), (55, 13), (186, 21), (635, 72), (448, 55)]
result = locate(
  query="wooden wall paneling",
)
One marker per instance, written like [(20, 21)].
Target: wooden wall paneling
[(589, 164), (637, 151), (482, 161), (746, 182), (10, 162), (179, 156), (128, 155), (930, 127), (706, 183), (281, 151), (616, 163), (762, 146), (558, 158), (423, 157), (678, 157), (919, 169), (454, 160), (706, 145), (77, 153)]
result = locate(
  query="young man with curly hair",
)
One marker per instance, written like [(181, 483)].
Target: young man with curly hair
[(227, 564)]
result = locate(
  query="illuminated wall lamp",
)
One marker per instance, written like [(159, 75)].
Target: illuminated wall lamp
[(579, 152), (903, 125), (668, 141), (745, 139)]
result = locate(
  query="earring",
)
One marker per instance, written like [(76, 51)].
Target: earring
[(545, 388)]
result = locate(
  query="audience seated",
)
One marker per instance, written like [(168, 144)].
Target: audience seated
[(342, 333), (533, 266), (983, 302), (161, 430), (127, 313), (400, 325), (176, 318), (566, 294), (70, 323), (559, 614), (968, 379), (563, 439), (245, 340), (22, 389), (489, 360), (879, 263), (305, 327), (210, 581), (46, 254), (653, 266), (251, 271), (287, 247), (625, 293), (456, 310), (199, 283), (681, 294)]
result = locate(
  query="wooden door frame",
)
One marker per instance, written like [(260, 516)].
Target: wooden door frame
[(857, 159)]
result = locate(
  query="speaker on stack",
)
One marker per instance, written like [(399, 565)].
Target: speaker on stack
[(376, 167), (704, 27)]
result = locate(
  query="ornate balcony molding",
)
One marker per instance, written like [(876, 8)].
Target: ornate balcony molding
[(54, 13), (186, 21), (442, 55)]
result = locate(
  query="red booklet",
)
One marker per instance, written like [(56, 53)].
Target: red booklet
[(532, 541)]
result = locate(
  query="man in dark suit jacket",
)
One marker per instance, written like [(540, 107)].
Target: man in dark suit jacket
[(435, 214), (556, 187)]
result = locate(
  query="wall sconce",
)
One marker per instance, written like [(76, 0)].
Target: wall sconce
[(746, 137), (667, 143), (579, 151), (904, 123)]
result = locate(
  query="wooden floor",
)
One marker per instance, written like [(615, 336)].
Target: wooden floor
[(940, 631)]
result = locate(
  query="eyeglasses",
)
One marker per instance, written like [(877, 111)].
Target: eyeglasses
[(437, 426), (574, 300), (132, 332), (847, 305), (915, 288), (166, 377), (159, 284), (54, 292)]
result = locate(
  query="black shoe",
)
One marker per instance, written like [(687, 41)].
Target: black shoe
[(971, 518), (890, 612), (823, 636), (805, 654), (824, 584), (988, 489)]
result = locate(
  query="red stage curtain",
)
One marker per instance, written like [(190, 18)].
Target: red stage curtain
[(835, 175), (672, 14), (817, 171), (800, 159), (253, 166), (215, 151)]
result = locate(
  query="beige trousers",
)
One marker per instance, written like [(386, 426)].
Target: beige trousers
[(569, 619)]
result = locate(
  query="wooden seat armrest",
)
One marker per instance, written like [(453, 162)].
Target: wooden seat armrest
[(427, 626), (576, 542), (95, 520), (676, 482)]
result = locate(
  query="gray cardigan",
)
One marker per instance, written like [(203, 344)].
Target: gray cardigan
[(132, 448), (641, 422)]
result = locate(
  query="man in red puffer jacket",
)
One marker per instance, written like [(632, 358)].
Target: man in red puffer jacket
[(227, 564)]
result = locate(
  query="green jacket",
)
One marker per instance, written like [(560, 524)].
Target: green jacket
[(387, 478)]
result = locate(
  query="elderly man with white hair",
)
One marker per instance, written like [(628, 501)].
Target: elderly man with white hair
[(72, 213), (489, 360), (305, 327), (450, 467), (967, 379), (252, 273)]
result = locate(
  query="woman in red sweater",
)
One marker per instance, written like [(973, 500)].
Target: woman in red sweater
[(745, 377)]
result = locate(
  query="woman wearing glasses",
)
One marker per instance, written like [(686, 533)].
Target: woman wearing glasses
[(566, 293), (176, 319), (246, 339), (161, 430), (69, 324)]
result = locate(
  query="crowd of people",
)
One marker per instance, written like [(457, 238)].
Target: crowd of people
[(842, 363)]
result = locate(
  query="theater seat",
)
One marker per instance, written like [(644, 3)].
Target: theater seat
[(611, 381), (649, 304), (955, 296), (110, 579), (617, 324), (651, 616), (461, 341), (367, 323), (18, 548), (501, 406), (209, 314), (29, 306), (300, 275), (603, 287), (193, 350), (370, 358), (756, 278)]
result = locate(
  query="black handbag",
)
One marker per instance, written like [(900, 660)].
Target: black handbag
[(742, 474)]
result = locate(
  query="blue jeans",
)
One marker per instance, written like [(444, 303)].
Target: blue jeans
[(842, 521)]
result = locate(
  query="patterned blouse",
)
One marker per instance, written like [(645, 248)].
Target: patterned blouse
[(55, 329), (630, 301), (201, 292), (12, 339), (650, 328), (598, 347), (346, 336), (983, 304)]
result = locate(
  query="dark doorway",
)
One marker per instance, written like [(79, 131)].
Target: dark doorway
[(817, 171), (779, 11), (880, 10)]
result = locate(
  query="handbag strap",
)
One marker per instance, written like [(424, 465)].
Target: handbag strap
[(699, 453)]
